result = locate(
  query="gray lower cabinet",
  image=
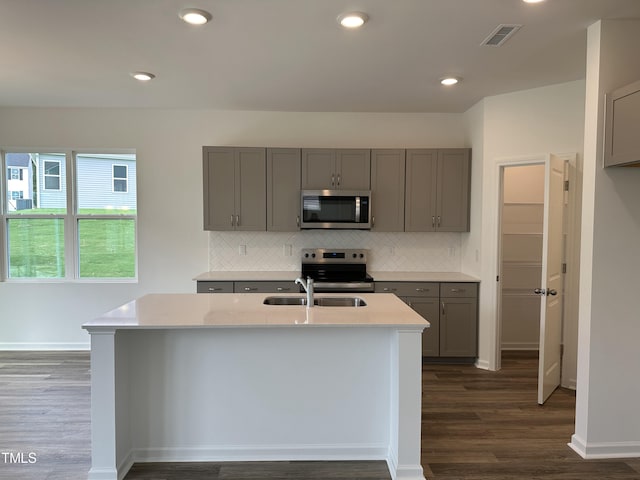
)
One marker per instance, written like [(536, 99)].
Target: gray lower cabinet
[(450, 308), (437, 190), (387, 190), (423, 297), (265, 287), (459, 319), (234, 188), (207, 286), (214, 287), (336, 169), (283, 189)]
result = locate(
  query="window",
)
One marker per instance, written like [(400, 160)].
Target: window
[(45, 237), (51, 174), (15, 173), (120, 178)]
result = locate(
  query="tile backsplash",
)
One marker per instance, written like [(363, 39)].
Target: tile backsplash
[(430, 252)]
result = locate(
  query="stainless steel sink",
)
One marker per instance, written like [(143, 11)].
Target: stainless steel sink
[(320, 301)]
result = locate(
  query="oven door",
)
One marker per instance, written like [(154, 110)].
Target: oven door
[(335, 209)]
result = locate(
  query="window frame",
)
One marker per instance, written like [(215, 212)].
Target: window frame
[(70, 218)]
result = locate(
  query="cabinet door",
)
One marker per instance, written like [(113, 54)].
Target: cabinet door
[(452, 212), (458, 327), (219, 188), (318, 168), (428, 308), (420, 194), (353, 169), (387, 190), (283, 189), (251, 186)]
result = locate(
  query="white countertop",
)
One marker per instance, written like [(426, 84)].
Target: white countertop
[(231, 276), (192, 310)]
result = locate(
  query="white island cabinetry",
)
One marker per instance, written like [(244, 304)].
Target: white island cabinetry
[(188, 377)]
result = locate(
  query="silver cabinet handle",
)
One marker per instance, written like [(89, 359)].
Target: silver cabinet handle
[(338, 180), (387, 289), (409, 303), (443, 309), (214, 289), (250, 289), (232, 220), (298, 221), (433, 222), (373, 222), (438, 221), (283, 289), (237, 220), (458, 290), (333, 180), (540, 291), (419, 289), (552, 292)]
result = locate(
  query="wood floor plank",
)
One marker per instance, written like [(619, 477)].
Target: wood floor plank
[(476, 425)]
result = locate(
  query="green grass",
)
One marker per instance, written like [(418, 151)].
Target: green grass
[(106, 247)]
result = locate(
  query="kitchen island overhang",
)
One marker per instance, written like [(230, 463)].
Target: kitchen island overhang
[(188, 377)]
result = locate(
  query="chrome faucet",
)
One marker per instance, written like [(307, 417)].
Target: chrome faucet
[(308, 287)]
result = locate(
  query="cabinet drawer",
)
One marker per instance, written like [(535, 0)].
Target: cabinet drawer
[(214, 287), (408, 289), (266, 287), (453, 290)]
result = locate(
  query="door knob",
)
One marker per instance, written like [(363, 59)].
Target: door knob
[(540, 291)]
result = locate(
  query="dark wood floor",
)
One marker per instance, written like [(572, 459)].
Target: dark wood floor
[(477, 425)]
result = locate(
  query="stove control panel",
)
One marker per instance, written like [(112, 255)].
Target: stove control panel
[(326, 255)]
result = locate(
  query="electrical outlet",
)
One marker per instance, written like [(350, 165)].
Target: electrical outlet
[(288, 249), (242, 249)]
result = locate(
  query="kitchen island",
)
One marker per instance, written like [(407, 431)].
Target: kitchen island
[(188, 377)]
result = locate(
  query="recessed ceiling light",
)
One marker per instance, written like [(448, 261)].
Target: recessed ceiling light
[(194, 16), (143, 76), (533, 1), (353, 19), (449, 80)]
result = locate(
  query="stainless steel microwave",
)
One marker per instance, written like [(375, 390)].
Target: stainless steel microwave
[(340, 209)]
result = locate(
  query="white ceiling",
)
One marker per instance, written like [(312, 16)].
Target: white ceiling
[(288, 55)]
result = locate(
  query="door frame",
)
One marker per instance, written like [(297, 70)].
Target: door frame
[(572, 251)]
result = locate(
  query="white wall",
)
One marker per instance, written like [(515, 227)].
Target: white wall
[(173, 247), (527, 124), (608, 393)]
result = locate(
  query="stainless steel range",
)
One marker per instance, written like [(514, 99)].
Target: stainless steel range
[(337, 270)]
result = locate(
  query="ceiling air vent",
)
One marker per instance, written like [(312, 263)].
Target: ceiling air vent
[(500, 35)]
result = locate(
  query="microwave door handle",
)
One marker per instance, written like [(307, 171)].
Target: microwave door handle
[(357, 209)]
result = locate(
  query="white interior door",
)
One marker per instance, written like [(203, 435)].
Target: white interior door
[(549, 367)]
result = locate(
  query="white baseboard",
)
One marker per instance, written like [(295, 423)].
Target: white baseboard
[(244, 453), (483, 364), (570, 384), (20, 346), (602, 450)]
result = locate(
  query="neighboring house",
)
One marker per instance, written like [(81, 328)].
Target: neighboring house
[(19, 188), (105, 181)]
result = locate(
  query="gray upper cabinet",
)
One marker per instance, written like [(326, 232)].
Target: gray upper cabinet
[(336, 169), (387, 190), (234, 188), (283, 189), (437, 190), (621, 141)]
